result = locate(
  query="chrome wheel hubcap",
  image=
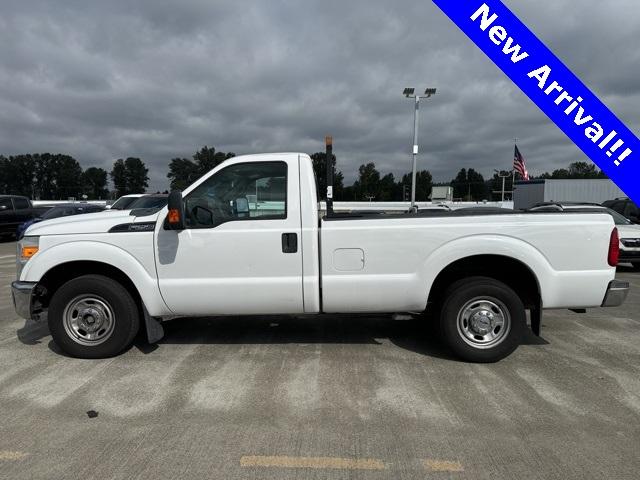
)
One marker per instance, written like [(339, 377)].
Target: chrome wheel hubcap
[(484, 322), (88, 320)]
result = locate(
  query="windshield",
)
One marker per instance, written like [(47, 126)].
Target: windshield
[(149, 202), (123, 203), (617, 218), (57, 212)]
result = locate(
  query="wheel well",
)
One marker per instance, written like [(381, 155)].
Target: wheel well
[(507, 270), (60, 274)]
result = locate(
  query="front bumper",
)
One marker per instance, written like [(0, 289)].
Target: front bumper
[(616, 293), (22, 293)]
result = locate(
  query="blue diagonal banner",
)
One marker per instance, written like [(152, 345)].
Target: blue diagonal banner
[(552, 87)]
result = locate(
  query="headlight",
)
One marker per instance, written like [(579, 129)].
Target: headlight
[(27, 248)]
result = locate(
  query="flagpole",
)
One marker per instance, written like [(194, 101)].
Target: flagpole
[(513, 179)]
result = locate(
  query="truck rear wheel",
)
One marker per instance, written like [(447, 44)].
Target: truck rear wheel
[(93, 316), (482, 319)]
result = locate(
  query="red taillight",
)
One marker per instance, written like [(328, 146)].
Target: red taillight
[(614, 248)]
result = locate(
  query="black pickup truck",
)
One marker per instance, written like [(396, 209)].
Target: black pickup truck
[(14, 210)]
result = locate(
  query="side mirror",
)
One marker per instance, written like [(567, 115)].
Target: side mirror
[(175, 217), (241, 207)]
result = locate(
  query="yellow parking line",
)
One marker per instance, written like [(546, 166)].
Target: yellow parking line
[(312, 462), (8, 455), (433, 465)]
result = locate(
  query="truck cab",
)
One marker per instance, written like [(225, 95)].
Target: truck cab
[(14, 210)]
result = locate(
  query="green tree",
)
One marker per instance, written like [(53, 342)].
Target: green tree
[(207, 159), (320, 169), (129, 176), (137, 175), (386, 188), (424, 184), (45, 176), (561, 173), (367, 187), (95, 183), (68, 177), (183, 172), (585, 170), (16, 175), (469, 185), (118, 177)]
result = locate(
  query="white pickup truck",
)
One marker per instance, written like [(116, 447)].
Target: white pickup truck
[(248, 238)]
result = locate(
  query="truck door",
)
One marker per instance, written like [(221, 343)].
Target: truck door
[(240, 252)]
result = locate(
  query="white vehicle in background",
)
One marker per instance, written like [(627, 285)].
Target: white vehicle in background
[(212, 251), (124, 201), (628, 231)]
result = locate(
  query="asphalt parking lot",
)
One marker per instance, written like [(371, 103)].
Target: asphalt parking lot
[(327, 398)]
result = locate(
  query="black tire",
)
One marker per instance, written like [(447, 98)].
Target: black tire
[(470, 302), (96, 291)]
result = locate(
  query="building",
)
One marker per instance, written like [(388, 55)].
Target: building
[(529, 193), (442, 194)]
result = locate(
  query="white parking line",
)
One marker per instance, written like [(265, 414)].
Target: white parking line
[(312, 462), (8, 455)]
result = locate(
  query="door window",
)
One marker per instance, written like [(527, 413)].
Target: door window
[(21, 203), (5, 204), (244, 191)]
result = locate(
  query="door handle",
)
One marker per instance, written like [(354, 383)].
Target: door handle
[(289, 242)]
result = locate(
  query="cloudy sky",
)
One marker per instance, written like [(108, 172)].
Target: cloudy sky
[(159, 79)]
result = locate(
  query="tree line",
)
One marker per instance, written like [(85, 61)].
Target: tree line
[(58, 177)]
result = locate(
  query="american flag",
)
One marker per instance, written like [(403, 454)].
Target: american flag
[(519, 165)]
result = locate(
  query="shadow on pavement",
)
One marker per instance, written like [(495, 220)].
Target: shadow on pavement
[(417, 335), (411, 335)]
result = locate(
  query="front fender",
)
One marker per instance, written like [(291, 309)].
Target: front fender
[(95, 251)]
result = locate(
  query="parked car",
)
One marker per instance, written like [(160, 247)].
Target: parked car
[(36, 211), (211, 251), (625, 207), (60, 210), (14, 210), (124, 201), (628, 232)]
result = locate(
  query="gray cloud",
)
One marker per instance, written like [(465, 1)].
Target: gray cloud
[(159, 79)]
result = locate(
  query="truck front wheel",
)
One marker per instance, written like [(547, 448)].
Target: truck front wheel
[(93, 316), (482, 319)]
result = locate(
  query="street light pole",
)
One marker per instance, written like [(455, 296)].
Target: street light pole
[(416, 115), (503, 177), (409, 93)]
